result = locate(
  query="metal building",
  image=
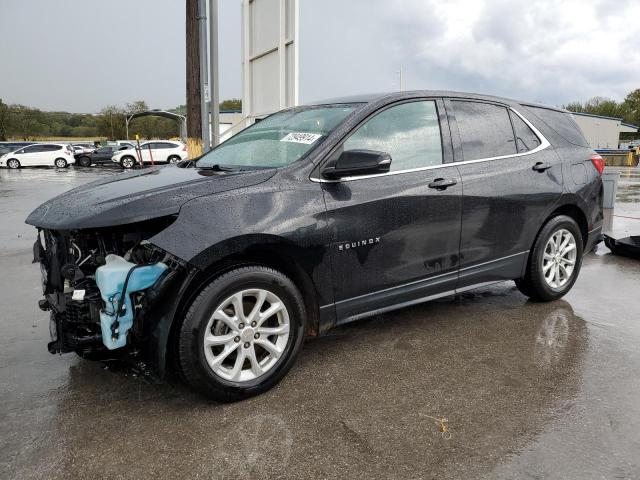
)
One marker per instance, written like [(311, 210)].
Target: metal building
[(602, 132)]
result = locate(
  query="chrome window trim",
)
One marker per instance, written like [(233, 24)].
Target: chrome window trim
[(544, 143)]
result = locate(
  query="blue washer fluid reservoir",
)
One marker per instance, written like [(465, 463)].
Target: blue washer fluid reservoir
[(110, 279)]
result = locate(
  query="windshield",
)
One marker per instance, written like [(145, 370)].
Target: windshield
[(279, 139)]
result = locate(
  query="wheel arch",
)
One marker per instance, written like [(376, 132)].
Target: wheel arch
[(570, 209), (269, 251), (573, 211)]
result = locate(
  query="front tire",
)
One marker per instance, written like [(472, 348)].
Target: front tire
[(127, 162), (13, 163), (84, 161), (60, 163), (554, 262), (241, 334)]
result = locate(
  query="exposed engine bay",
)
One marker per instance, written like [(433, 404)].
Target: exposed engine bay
[(98, 285)]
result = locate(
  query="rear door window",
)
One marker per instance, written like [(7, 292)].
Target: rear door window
[(485, 130), (34, 149), (526, 140), (409, 132)]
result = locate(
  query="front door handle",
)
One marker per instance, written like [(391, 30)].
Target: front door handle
[(443, 183), (541, 166)]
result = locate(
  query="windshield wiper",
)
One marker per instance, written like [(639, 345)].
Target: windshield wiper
[(218, 168)]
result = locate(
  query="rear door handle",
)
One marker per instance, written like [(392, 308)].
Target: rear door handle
[(541, 166), (443, 183)]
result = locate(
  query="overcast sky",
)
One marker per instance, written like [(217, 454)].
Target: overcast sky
[(80, 55)]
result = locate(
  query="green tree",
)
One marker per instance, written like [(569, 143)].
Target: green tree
[(632, 105), (111, 122), (231, 104), (25, 121), (137, 107), (142, 126), (4, 120)]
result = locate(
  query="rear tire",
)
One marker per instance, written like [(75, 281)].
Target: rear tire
[(13, 163), (554, 262), (174, 159), (60, 163), (230, 353)]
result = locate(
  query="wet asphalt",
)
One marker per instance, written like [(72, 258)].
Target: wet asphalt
[(521, 389)]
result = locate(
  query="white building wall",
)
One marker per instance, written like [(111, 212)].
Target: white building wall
[(600, 132)]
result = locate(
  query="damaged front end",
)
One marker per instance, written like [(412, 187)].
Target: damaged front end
[(101, 286)]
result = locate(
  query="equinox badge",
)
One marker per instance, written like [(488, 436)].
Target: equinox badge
[(359, 243)]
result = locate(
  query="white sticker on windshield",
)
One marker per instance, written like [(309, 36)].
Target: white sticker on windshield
[(299, 137)]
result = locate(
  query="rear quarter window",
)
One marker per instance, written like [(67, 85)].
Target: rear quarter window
[(562, 123)]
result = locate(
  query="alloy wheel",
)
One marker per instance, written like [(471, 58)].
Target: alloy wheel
[(559, 259), (13, 163), (246, 335), (127, 162), (60, 163)]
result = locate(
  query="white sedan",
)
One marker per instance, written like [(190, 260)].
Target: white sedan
[(39, 155), (156, 151)]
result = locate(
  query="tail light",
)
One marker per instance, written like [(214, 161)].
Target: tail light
[(184, 148), (598, 162)]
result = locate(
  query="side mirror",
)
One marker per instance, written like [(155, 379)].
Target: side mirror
[(358, 162)]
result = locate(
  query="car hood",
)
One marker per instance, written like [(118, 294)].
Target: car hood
[(136, 196)]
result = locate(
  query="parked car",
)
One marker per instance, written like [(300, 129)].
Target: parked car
[(39, 155), (83, 148), (315, 217), (160, 151), (6, 147), (99, 156)]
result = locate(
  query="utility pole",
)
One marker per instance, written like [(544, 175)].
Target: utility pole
[(213, 75), (204, 73), (194, 119)]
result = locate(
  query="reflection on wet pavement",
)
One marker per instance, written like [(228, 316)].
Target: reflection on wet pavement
[(529, 390), (628, 184)]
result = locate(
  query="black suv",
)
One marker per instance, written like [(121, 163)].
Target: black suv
[(100, 156), (314, 217)]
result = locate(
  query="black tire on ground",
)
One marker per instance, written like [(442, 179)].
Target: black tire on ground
[(60, 163), (533, 284), (174, 159), (84, 161), (190, 347), (127, 161), (13, 163)]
